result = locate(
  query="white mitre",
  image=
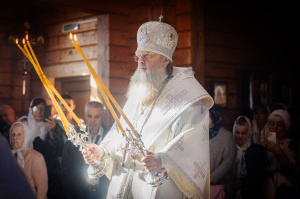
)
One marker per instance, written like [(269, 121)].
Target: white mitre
[(157, 37)]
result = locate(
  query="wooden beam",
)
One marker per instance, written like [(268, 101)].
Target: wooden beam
[(68, 69)]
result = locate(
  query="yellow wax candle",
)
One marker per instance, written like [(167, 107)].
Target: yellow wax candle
[(52, 87), (98, 80), (43, 79), (76, 45)]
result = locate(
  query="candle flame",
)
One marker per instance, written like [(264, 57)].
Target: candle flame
[(75, 37), (71, 36), (17, 41), (23, 41), (26, 36)]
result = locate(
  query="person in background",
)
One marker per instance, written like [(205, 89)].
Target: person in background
[(7, 118), (40, 146), (74, 169), (12, 176), (222, 155), (282, 158), (56, 139), (29, 159), (260, 123), (37, 143), (36, 112), (250, 167)]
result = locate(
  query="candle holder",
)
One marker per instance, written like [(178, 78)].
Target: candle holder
[(157, 178), (99, 168), (137, 150)]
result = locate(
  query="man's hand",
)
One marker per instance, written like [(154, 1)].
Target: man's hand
[(152, 162), (92, 152)]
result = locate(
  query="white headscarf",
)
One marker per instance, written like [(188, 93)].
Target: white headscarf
[(240, 160), (34, 130), (26, 144), (41, 124), (285, 116)]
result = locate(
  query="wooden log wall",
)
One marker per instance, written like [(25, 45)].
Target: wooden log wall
[(220, 40), (105, 44), (11, 64), (233, 43), (59, 58)]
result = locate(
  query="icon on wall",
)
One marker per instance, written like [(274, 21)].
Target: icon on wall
[(220, 94)]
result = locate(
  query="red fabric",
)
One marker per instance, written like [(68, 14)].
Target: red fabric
[(217, 192)]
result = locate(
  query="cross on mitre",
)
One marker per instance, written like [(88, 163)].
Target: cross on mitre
[(160, 17)]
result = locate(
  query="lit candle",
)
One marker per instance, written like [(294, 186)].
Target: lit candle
[(24, 41), (26, 36), (75, 38), (17, 41)]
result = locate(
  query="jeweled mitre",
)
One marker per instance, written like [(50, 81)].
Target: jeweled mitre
[(157, 37)]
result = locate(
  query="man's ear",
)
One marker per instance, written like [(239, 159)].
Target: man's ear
[(166, 62)]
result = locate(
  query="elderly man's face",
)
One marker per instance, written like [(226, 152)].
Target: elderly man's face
[(8, 116), (93, 118), (150, 61)]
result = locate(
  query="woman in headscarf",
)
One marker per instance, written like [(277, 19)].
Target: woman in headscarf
[(29, 159), (250, 167), (36, 112), (281, 156), (40, 146), (34, 130), (222, 154)]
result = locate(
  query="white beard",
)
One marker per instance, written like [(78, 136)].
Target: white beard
[(145, 86)]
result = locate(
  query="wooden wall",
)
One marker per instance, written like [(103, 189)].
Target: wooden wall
[(220, 40), (237, 41), (11, 64), (106, 46)]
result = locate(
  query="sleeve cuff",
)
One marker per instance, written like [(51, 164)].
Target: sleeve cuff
[(163, 160)]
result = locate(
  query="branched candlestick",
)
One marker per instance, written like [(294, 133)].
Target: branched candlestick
[(137, 150), (95, 170)]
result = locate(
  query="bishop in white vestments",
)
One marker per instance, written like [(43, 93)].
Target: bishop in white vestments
[(170, 110)]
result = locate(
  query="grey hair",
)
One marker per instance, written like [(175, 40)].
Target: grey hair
[(94, 104), (169, 68)]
